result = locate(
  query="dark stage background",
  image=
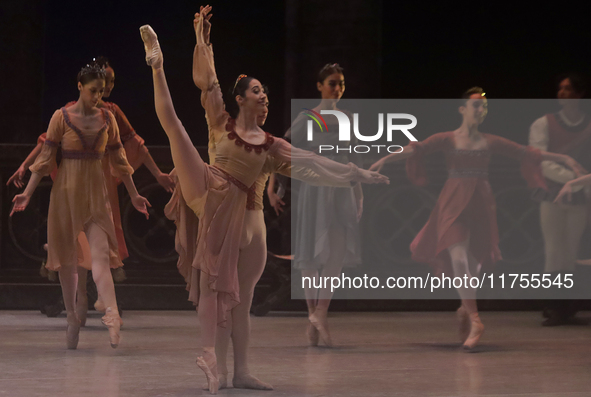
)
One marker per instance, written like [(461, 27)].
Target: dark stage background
[(388, 49)]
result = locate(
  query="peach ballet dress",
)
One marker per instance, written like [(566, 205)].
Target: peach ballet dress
[(208, 239), (79, 193)]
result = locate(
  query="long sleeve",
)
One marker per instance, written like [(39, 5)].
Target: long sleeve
[(539, 136), (119, 164), (205, 79), (310, 167), (415, 164), (45, 162), (530, 158), (135, 150)]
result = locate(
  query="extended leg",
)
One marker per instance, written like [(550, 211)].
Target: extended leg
[(189, 166)]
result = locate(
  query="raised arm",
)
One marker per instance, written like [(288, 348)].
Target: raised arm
[(204, 75)]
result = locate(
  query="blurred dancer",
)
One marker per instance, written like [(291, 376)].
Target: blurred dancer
[(461, 234)]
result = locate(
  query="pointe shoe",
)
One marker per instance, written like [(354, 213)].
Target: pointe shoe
[(312, 334), (248, 381), (476, 331), (321, 324), (112, 320), (72, 331), (153, 53), (82, 310), (464, 320), (207, 363), (222, 382)]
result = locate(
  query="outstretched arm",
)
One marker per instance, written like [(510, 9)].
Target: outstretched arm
[(566, 160), (317, 170), (406, 152), (567, 189)]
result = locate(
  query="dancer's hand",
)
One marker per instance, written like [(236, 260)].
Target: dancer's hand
[(166, 182), (203, 11), (275, 202), (378, 165), (359, 209), (366, 176), (140, 203), (17, 177), (575, 166), (567, 191), (20, 203)]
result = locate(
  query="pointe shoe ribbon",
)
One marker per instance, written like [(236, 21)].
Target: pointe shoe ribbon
[(154, 56), (113, 321)]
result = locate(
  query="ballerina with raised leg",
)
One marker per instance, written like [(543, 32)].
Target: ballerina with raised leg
[(461, 235), (226, 195), (78, 199)]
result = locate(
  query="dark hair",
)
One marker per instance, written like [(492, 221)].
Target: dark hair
[(469, 92), (327, 70), (91, 72), (577, 81), (240, 87), (103, 61)]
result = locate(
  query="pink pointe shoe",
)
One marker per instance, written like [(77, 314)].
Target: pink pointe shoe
[(153, 53), (320, 322), (208, 364), (312, 334), (464, 323), (476, 331), (112, 320)]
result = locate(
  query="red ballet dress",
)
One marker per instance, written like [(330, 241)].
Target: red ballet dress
[(466, 205)]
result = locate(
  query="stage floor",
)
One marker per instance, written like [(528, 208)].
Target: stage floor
[(378, 354)]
